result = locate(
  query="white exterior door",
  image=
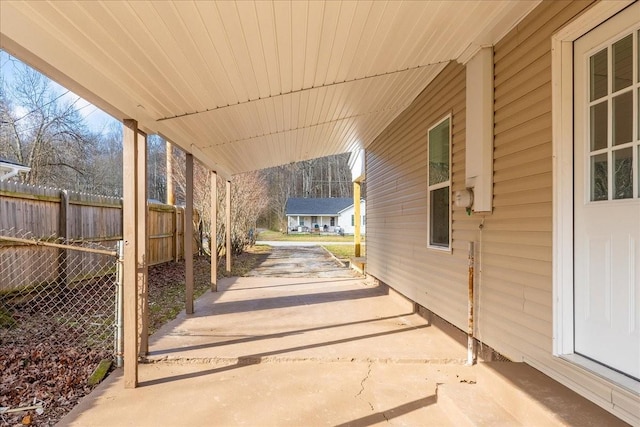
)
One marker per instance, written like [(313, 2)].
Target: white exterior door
[(607, 193)]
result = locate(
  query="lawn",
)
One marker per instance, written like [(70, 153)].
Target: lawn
[(307, 237), (342, 252)]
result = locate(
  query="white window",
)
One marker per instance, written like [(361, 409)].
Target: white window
[(439, 185), (612, 148)]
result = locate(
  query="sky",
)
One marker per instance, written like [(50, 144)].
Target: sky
[(96, 119)]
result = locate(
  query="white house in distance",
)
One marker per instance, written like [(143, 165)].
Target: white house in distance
[(9, 169), (323, 214), (346, 218)]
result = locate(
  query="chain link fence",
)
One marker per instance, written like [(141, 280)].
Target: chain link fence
[(52, 287)]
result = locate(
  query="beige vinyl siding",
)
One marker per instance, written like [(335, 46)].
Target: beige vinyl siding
[(397, 250), (515, 307), (514, 311)]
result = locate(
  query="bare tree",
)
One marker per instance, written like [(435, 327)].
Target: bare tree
[(43, 130), (104, 173), (323, 177), (249, 200)]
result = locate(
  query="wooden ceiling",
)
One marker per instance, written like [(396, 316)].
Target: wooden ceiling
[(245, 85)]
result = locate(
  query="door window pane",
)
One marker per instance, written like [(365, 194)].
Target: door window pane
[(622, 118), (598, 124), (598, 75), (622, 63), (623, 173), (440, 217), (599, 181), (439, 153)]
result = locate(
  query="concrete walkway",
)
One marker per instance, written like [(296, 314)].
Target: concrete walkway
[(305, 351), (286, 352), (301, 261)]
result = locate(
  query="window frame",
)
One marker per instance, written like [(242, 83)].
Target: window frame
[(438, 186)]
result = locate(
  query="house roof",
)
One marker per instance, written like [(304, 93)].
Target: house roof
[(10, 169), (317, 206), (245, 85), (362, 202), (10, 163)]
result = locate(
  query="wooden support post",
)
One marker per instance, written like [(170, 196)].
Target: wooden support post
[(356, 218), (188, 236), (64, 230), (176, 236), (170, 198), (129, 216), (213, 238), (142, 243), (228, 226), (169, 171)]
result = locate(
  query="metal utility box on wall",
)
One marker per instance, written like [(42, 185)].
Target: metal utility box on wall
[(479, 132)]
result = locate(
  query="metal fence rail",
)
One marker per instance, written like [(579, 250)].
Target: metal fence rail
[(48, 285)]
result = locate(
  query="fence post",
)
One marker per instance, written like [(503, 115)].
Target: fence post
[(63, 233)]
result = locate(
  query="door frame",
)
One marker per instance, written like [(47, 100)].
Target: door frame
[(562, 149)]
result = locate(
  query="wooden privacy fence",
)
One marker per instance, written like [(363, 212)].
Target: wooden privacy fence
[(58, 215)]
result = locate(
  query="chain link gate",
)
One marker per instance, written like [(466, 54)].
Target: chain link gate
[(49, 285)]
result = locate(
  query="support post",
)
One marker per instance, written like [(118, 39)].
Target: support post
[(142, 242), (188, 236), (129, 216), (64, 234), (356, 218), (169, 166), (170, 197), (228, 226), (176, 236), (213, 238)]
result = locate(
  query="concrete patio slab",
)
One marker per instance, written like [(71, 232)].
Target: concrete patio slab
[(309, 351), (301, 319), (286, 352)]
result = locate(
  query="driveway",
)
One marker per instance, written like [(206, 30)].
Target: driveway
[(301, 261), (278, 243)]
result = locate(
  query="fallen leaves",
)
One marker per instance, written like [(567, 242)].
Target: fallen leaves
[(49, 371), (47, 363)]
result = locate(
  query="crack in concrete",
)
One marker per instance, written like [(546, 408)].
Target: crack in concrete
[(365, 380)]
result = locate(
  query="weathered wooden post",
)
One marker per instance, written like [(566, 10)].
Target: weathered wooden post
[(188, 236), (213, 238), (228, 227), (142, 243), (129, 216)]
